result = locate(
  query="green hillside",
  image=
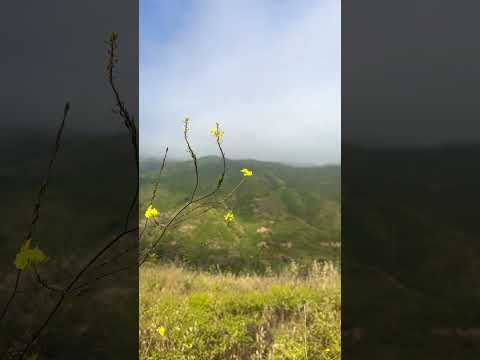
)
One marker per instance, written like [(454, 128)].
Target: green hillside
[(298, 210)]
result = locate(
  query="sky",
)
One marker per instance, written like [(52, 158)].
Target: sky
[(268, 71)]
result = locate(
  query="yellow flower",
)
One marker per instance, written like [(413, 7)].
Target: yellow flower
[(229, 216), (151, 212), (246, 172), (217, 133), (161, 330), (28, 255), (327, 350)]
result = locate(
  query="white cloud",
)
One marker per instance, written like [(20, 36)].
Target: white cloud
[(269, 75)]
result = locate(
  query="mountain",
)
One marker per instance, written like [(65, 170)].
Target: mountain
[(282, 213)]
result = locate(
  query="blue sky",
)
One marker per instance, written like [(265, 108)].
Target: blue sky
[(267, 70)]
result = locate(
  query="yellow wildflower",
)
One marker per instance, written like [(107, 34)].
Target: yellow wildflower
[(217, 133), (246, 172), (28, 255), (161, 331), (151, 212), (229, 216)]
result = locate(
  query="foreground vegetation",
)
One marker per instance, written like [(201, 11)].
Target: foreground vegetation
[(209, 316)]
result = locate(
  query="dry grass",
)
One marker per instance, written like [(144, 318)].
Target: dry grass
[(199, 315)]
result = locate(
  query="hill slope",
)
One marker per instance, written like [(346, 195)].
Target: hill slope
[(283, 213)]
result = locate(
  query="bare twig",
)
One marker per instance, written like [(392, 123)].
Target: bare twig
[(43, 282), (43, 187), (155, 188), (65, 292), (12, 296), (193, 156), (38, 203), (152, 247), (152, 199), (131, 126), (128, 119)]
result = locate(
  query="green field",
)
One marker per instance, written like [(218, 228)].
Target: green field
[(198, 315)]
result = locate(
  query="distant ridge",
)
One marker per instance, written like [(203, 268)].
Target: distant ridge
[(215, 158)]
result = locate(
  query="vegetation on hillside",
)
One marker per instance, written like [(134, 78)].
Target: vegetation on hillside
[(211, 316), (282, 213)]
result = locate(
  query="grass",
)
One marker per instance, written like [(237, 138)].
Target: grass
[(188, 314)]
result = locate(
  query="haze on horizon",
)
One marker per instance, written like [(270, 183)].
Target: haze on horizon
[(268, 72)]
